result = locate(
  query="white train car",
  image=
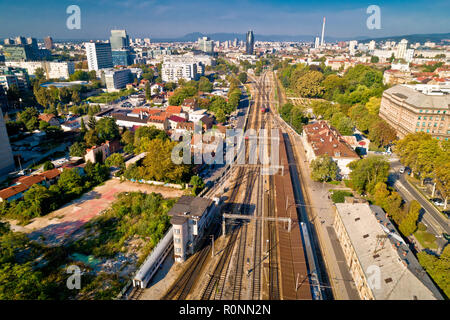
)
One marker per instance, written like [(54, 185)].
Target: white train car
[(154, 260)]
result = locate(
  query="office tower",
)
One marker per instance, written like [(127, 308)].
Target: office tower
[(401, 49), (99, 55), (48, 41), (323, 32), (6, 157), (119, 39), (206, 45), (117, 79), (21, 52), (249, 43), (121, 57), (316, 44), (235, 42)]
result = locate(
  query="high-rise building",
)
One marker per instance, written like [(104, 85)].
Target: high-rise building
[(323, 33), (352, 46), (235, 42), (121, 57), (317, 43), (117, 79), (372, 45), (48, 42), (119, 39), (401, 49), (8, 41), (206, 45), (99, 55), (250, 42), (21, 52), (6, 157)]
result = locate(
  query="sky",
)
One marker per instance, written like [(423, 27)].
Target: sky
[(171, 18)]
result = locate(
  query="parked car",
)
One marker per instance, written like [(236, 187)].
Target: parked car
[(437, 201), (402, 170)]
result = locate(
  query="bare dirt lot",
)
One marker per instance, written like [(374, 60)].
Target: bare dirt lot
[(60, 225)]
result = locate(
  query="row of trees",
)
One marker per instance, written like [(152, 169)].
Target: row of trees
[(428, 158), (294, 115)]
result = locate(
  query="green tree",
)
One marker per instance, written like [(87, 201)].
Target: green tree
[(197, 184), (309, 85), (20, 282), (107, 129), (39, 74), (78, 149), (158, 164), (115, 160), (409, 224), (437, 268), (381, 133), (367, 172), (373, 105), (323, 168), (205, 85), (48, 165), (242, 77)]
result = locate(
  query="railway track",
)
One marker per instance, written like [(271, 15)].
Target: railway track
[(216, 284), (136, 293)]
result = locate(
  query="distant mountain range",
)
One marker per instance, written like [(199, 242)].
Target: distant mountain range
[(190, 37)]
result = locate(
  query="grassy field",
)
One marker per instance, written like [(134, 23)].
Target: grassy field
[(109, 96), (426, 239)]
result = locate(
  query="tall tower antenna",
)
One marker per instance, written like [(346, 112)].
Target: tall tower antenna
[(323, 32)]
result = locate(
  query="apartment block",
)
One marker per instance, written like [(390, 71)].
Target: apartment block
[(418, 108)]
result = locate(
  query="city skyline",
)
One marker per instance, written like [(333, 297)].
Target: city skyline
[(156, 20)]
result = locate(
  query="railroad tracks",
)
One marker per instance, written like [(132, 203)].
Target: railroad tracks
[(136, 293)]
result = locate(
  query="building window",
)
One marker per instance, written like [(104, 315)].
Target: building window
[(423, 124), (177, 231), (428, 130), (177, 240), (439, 111), (435, 124), (420, 111), (177, 250), (418, 123), (424, 118), (419, 118)]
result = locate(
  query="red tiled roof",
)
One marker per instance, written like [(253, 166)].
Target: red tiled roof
[(174, 109), (177, 119), (12, 191), (46, 117), (324, 139), (51, 174)]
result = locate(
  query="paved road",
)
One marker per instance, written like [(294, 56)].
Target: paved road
[(433, 218)]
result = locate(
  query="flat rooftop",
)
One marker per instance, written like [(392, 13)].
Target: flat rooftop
[(190, 206), (377, 243)]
